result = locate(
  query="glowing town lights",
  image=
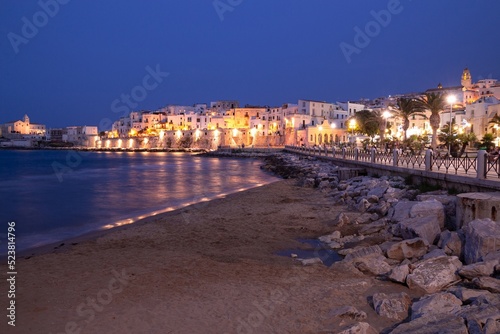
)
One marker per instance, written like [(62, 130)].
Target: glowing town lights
[(386, 114), (216, 133), (162, 134), (320, 128), (451, 99), (178, 134), (253, 132), (197, 134), (235, 132), (146, 140), (333, 126), (131, 143), (108, 142), (119, 143)]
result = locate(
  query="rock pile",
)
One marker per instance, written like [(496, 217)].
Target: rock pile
[(457, 271)]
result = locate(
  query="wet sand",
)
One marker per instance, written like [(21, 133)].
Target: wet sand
[(208, 268)]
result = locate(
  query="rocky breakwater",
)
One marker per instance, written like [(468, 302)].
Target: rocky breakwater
[(310, 171), (410, 238)]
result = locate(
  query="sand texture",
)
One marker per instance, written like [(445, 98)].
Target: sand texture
[(208, 268)]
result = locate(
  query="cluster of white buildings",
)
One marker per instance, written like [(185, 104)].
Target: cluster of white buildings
[(307, 122), (225, 123), (24, 133)]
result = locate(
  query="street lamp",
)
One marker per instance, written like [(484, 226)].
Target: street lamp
[(352, 125), (451, 99)]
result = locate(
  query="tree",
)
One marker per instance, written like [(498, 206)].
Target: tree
[(450, 139), (406, 108), (465, 139), (367, 122), (487, 141), (435, 103)]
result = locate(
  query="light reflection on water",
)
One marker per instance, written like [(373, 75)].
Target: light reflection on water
[(109, 189)]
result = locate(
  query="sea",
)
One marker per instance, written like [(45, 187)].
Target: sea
[(54, 195)]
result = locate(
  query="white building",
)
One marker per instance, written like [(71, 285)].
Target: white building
[(24, 129), (81, 135), (351, 107), (479, 113)]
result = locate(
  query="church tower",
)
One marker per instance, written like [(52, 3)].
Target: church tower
[(26, 119), (466, 78)]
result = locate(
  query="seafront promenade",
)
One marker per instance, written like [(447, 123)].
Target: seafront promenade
[(474, 171)]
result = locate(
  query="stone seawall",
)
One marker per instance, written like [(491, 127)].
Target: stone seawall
[(411, 238)]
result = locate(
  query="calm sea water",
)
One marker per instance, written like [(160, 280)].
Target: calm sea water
[(55, 195)]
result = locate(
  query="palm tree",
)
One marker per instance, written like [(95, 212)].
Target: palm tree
[(406, 108), (435, 103)]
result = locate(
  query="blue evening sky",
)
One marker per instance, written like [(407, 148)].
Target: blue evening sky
[(261, 52)]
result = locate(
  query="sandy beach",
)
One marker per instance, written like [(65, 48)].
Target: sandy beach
[(208, 268)]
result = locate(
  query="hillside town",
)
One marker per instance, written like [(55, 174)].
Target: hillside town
[(472, 107)]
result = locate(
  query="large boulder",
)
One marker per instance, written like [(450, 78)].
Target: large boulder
[(421, 227), (478, 269), (363, 252), (393, 306), (372, 265), (487, 283), (381, 208), (429, 208), (379, 191), (443, 302), (398, 274), (449, 204), (480, 313), (401, 211), (394, 194), (491, 327), (441, 323), (468, 295), (374, 227), (434, 253), (482, 236), (434, 274), (451, 243), (407, 249)]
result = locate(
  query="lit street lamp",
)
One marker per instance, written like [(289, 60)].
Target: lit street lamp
[(451, 99), (352, 125)]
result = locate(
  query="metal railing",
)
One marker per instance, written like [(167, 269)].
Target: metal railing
[(479, 165)]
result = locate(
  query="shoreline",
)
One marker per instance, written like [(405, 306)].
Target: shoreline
[(64, 245), (93, 149), (200, 269)]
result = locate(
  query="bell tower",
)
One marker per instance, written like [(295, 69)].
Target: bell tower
[(466, 78)]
